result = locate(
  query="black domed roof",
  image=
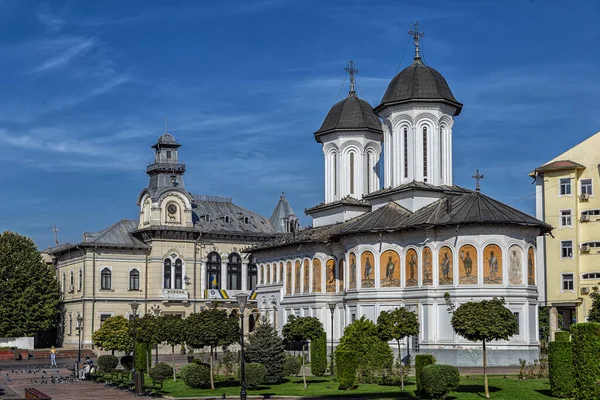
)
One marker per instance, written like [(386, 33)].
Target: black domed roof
[(418, 82), (166, 140), (350, 114)]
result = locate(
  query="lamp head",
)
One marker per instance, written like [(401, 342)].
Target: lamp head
[(332, 307), (241, 299), (79, 320), (134, 307), (156, 311)]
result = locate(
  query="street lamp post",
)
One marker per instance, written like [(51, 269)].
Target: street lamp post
[(332, 307), (241, 299), (79, 326), (156, 311), (135, 376)]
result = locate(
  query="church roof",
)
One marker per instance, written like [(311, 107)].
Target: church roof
[(415, 185), (418, 82), (346, 201), (350, 114), (282, 212)]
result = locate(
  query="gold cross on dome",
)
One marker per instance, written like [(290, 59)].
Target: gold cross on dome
[(352, 71), (417, 33), (477, 178)]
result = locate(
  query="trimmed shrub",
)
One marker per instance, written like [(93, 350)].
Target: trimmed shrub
[(586, 368), (256, 374), (437, 380), (421, 361), (142, 356), (127, 362), (199, 361), (345, 362), (560, 358), (318, 356), (161, 369), (562, 336), (195, 376), (291, 366), (107, 363)]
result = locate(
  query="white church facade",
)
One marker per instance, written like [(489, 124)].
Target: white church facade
[(406, 245)]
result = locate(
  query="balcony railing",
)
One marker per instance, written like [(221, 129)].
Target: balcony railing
[(175, 294)]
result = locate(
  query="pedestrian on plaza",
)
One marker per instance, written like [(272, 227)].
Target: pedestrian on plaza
[(53, 356)]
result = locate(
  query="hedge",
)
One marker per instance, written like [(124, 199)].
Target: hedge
[(560, 360), (562, 336), (161, 370), (345, 362), (421, 361), (256, 374), (586, 368), (195, 376), (318, 356), (142, 356), (437, 380), (291, 366), (107, 363)]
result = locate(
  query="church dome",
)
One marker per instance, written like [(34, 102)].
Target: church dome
[(166, 138), (350, 114), (418, 82)]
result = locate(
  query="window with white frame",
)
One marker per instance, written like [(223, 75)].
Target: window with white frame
[(586, 186), (80, 282), (104, 317), (134, 279), (591, 275), (565, 218), (567, 282), (565, 186), (518, 322), (70, 324), (566, 249), (105, 279), (591, 212)]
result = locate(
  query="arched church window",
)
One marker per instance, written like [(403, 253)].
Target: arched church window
[(352, 173), (234, 272), (105, 279), (64, 282), (441, 153), (335, 173), (252, 273), (178, 274), (71, 280), (167, 274), (406, 152), (227, 219), (213, 270), (80, 282), (425, 154), (251, 322), (134, 280), (368, 173)]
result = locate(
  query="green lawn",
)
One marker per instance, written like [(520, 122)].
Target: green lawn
[(500, 388)]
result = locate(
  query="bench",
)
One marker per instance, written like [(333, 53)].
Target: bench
[(156, 386), (32, 393)]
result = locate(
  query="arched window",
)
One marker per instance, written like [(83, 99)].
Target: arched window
[(167, 274), (72, 281), (406, 152), (80, 282), (234, 272), (252, 273), (352, 173), (213, 270), (105, 278), (134, 280), (64, 282), (368, 176), (335, 173), (178, 274), (251, 322), (441, 153), (425, 154)]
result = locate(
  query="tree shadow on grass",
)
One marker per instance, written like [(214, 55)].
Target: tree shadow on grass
[(545, 392), (479, 390), (350, 395)]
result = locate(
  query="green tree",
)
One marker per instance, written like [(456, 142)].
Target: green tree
[(114, 335), (146, 333), (212, 328), (266, 347), (397, 325), (29, 291), (170, 330), (318, 356), (594, 312), (302, 329), (484, 321), (372, 353)]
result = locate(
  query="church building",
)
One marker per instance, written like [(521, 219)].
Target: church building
[(373, 249)]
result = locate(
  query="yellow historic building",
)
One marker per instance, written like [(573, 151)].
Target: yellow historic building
[(567, 199)]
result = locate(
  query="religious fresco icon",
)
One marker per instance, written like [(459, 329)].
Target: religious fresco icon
[(515, 265), (288, 274), (297, 275), (341, 274), (412, 268), (281, 272), (306, 270), (316, 287), (492, 264), (352, 272), (531, 266), (445, 264), (427, 267), (268, 274), (330, 277), (389, 269), (467, 271), (367, 261)]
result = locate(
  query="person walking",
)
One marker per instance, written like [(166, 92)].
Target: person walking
[(53, 356)]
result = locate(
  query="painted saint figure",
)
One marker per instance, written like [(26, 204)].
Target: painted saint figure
[(493, 264), (353, 270), (445, 266), (331, 272), (467, 262), (389, 269), (515, 265), (412, 263), (368, 269)]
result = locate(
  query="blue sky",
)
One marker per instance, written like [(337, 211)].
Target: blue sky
[(85, 86)]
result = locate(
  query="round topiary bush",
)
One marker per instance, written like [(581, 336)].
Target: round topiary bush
[(438, 380), (127, 362), (291, 366), (107, 363), (195, 376), (256, 374), (161, 370), (421, 361)]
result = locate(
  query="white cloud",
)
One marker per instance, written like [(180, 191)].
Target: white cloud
[(64, 58)]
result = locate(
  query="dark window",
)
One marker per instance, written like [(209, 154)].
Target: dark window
[(406, 152), (178, 274), (252, 273), (207, 218), (567, 282), (335, 173), (353, 318), (566, 249), (70, 324), (134, 280), (234, 272), (64, 282), (72, 278), (105, 283), (591, 275), (246, 220), (226, 219), (80, 279), (518, 323), (352, 173), (104, 317), (368, 172), (586, 186), (168, 154), (425, 153), (251, 323), (167, 274), (213, 271), (441, 153), (565, 186), (565, 218)]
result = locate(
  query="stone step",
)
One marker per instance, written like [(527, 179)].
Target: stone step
[(61, 353)]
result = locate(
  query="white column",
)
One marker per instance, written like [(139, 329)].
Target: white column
[(449, 156), (244, 276), (202, 277), (224, 275)]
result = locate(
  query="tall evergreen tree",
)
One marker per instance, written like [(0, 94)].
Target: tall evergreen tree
[(29, 291), (594, 312), (266, 347)]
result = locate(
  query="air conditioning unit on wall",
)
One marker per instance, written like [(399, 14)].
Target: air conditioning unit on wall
[(584, 196), (585, 290), (585, 218), (585, 248)]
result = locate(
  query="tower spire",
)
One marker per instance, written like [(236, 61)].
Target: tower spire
[(166, 125), (417, 33), (352, 71)]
